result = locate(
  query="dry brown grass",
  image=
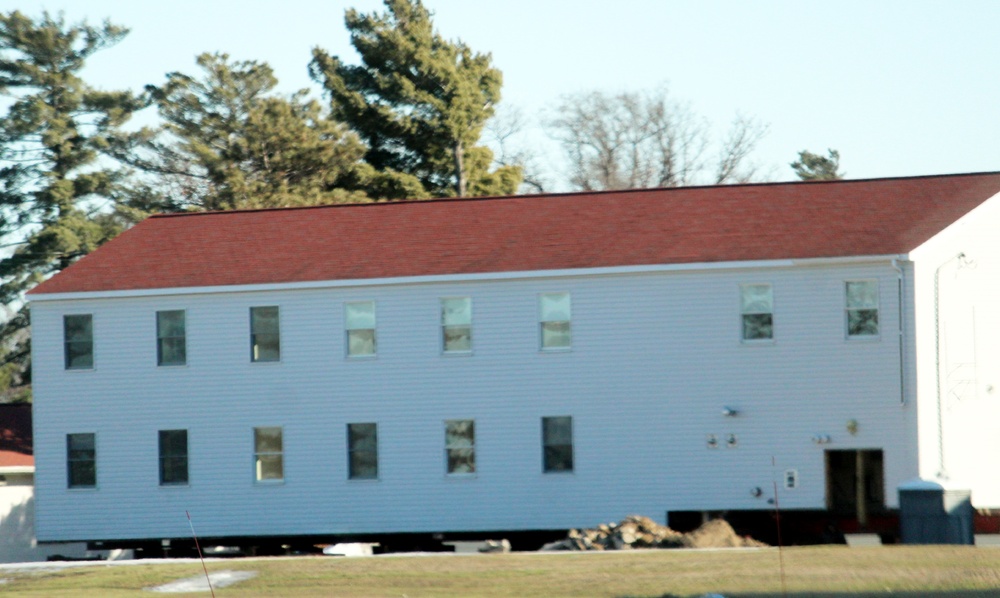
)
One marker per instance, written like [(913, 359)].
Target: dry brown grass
[(951, 572)]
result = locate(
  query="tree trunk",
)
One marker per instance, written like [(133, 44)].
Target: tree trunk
[(460, 182)]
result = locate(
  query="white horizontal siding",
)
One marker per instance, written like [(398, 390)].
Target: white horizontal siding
[(958, 355), (655, 358)]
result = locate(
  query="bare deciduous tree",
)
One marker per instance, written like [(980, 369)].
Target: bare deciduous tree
[(636, 140), (505, 135), (734, 165)]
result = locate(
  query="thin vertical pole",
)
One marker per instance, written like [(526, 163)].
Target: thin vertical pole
[(198, 546), (777, 520)]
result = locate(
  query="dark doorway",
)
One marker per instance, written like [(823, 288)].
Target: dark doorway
[(855, 483)]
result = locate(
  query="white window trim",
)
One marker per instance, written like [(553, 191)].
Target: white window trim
[(541, 347), (472, 319), (156, 332), (862, 338), (187, 457), (572, 447), (378, 454), (347, 331), (254, 453), (475, 453), (281, 335), (759, 342), (93, 343), (97, 472)]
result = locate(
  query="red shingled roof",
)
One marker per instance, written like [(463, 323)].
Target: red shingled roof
[(539, 232)]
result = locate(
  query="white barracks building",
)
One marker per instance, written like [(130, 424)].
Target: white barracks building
[(522, 363)]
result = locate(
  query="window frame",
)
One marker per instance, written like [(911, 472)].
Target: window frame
[(744, 313), (543, 320), (449, 447), (165, 457), (67, 342), (160, 338), (445, 326), (254, 334), (352, 450), (70, 461), (257, 454), (547, 443), (348, 330), (848, 309)]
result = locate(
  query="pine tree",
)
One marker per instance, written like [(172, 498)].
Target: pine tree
[(53, 186), (229, 141), (815, 167), (419, 101)]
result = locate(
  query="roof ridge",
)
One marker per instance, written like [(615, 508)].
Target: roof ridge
[(595, 192)]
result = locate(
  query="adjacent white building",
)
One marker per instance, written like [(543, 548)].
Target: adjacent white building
[(521, 363), (17, 497)]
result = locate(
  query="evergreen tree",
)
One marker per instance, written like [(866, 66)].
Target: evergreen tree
[(53, 187), (419, 101), (814, 167), (228, 141)]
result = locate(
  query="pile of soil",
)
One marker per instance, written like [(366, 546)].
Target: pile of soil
[(636, 531)]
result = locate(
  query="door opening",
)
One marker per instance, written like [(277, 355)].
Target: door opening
[(855, 483)]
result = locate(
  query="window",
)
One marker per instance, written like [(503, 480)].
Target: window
[(862, 308), (171, 341), (265, 342), (173, 457), (359, 319), (78, 335), (460, 445), (456, 325), (362, 451), (757, 309), (555, 320), (557, 444), (81, 460), (268, 455)]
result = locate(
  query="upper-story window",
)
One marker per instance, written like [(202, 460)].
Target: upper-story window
[(555, 317), (359, 320), (862, 308), (81, 460), (456, 325), (757, 312), (171, 338), (78, 340), (265, 341)]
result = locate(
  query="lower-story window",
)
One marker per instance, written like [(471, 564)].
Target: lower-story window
[(460, 445), (362, 451), (268, 455), (173, 457), (557, 444), (81, 460)]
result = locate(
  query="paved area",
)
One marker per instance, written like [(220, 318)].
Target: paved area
[(198, 583)]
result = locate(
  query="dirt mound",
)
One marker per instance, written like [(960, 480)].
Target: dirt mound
[(636, 531), (717, 533)]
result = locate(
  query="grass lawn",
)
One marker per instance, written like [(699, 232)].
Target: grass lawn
[(909, 571)]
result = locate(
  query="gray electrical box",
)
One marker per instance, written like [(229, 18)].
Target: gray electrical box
[(931, 512)]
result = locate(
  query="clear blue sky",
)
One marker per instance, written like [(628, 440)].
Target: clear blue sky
[(899, 87)]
